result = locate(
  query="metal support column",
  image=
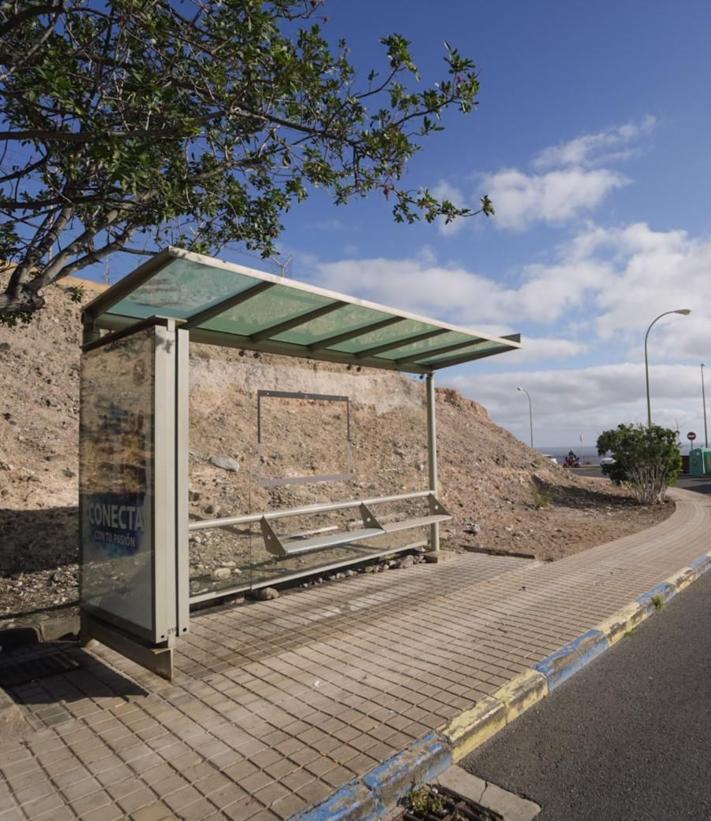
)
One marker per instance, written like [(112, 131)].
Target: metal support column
[(182, 478), (165, 579), (89, 333), (432, 454)]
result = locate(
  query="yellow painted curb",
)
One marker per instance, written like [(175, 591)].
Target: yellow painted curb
[(522, 692), (616, 626), (683, 578), (473, 727)]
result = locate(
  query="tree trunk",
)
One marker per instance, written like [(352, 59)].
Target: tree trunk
[(22, 300)]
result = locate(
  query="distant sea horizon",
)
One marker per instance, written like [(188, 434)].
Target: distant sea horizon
[(588, 453)]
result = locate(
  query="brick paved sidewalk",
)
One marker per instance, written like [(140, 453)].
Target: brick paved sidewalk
[(277, 704)]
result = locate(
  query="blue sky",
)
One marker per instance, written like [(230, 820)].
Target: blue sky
[(592, 138)]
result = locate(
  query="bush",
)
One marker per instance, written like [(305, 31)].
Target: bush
[(541, 496), (648, 460)]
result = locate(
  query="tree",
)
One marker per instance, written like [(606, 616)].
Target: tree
[(647, 459), (129, 125)]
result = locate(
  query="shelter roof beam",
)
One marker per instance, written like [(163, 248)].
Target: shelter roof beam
[(400, 343), (460, 360), (329, 341), (425, 355), (294, 322), (224, 305)]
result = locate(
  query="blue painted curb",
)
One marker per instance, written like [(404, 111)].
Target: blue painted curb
[(664, 590), (571, 657), (419, 762), (365, 799), (702, 564), (352, 801)]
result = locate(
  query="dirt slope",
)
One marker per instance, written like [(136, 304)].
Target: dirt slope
[(488, 476)]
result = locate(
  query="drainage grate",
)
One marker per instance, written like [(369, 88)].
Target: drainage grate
[(13, 674), (428, 803)]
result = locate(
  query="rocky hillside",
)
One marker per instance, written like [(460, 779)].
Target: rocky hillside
[(503, 495)]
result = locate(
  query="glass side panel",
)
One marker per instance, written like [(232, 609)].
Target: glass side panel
[(391, 333), (376, 441), (347, 318), (476, 348), (266, 309), (431, 344), (181, 289), (116, 479), (320, 424)]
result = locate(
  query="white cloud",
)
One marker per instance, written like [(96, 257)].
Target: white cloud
[(654, 271), (523, 199), (569, 180), (569, 402), (595, 299), (546, 294), (420, 285), (544, 348), (606, 146), (615, 280)]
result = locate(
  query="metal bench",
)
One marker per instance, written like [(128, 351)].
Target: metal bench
[(297, 544)]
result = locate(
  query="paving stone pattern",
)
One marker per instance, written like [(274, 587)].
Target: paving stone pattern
[(277, 704)]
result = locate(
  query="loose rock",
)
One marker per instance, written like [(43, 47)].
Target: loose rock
[(265, 594), (225, 462)]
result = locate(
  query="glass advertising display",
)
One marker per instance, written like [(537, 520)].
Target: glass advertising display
[(117, 480)]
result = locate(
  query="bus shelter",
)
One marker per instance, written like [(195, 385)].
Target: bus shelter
[(148, 552)]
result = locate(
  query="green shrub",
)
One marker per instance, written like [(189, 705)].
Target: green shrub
[(647, 459)]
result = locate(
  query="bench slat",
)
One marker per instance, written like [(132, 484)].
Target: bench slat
[(294, 546), (421, 521)]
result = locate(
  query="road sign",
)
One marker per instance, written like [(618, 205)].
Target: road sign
[(691, 436)]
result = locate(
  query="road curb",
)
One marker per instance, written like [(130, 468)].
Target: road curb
[(472, 728), (368, 797)]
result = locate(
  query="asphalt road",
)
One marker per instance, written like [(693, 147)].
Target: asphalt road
[(629, 737)]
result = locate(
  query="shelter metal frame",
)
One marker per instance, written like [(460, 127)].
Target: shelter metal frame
[(188, 297)]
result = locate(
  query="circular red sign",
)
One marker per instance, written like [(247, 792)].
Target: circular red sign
[(691, 435)]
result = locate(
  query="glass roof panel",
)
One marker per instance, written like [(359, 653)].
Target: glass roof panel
[(347, 318), (266, 309), (383, 336), (477, 347), (181, 289), (183, 285), (424, 345)]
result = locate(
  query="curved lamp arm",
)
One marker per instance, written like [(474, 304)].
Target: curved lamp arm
[(683, 312)]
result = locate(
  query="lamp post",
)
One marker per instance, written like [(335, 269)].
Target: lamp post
[(530, 410), (703, 398), (684, 312)]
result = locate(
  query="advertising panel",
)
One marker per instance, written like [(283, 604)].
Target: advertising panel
[(116, 480)]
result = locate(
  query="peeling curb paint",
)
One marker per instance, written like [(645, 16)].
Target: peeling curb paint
[(571, 657), (417, 763), (473, 727), (352, 802)]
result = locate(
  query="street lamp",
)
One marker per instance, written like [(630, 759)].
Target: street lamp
[(703, 397), (530, 410), (684, 312)]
